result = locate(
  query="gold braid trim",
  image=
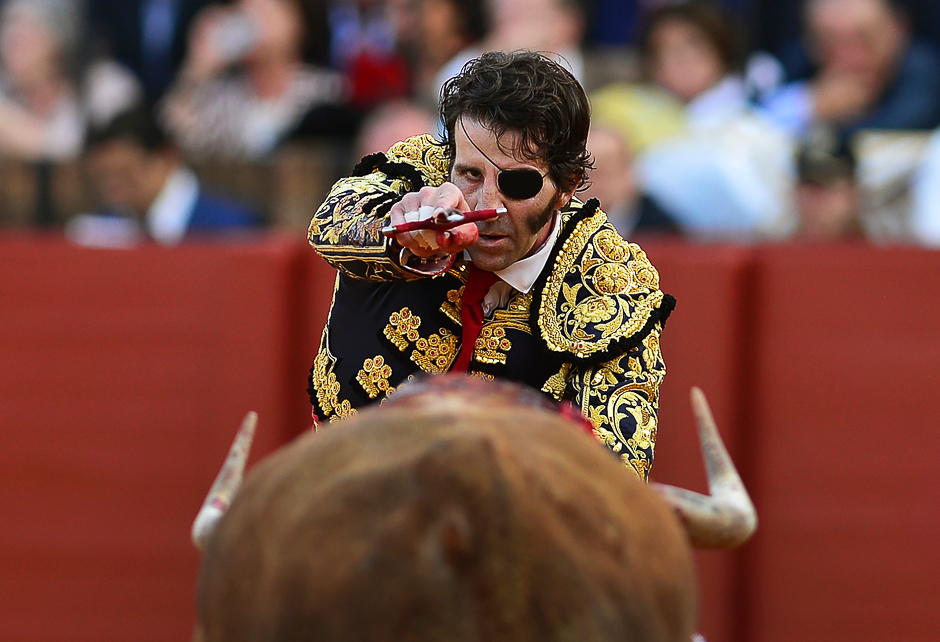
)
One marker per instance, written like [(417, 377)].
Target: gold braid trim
[(601, 289), (326, 386)]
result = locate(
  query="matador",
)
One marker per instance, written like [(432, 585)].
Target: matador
[(568, 306)]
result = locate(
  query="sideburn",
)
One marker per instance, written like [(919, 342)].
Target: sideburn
[(540, 220)]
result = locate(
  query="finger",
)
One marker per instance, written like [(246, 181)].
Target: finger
[(459, 238)]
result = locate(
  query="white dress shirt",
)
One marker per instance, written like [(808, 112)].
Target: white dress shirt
[(521, 275)]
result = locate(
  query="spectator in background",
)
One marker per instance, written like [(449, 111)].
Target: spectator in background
[(144, 184), (548, 26), (433, 33), (147, 36), (612, 183), (393, 122), (869, 74), (827, 194), (693, 51), (691, 58), (47, 96), (270, 93), (366, 45), (717, 168)]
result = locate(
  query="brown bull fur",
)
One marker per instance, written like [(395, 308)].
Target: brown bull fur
[(458, 511)]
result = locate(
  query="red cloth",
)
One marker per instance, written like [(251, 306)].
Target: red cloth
[(471, 313)]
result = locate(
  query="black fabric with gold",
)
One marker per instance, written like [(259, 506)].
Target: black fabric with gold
[(588, 331)]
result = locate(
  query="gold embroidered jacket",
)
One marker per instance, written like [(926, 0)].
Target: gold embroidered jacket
[(588, 332)]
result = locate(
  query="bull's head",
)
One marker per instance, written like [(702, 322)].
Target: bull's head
[(459, 510), (724, 519)]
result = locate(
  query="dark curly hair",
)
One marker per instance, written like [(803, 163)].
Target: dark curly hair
[(528, 93)]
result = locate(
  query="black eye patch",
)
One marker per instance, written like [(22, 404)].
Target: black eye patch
[(519, 184)]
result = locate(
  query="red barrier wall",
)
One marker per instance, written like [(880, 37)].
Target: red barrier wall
[(845, 446), (123, 376), (703, 344)]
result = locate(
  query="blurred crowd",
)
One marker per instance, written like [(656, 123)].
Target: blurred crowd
[(749, 121)]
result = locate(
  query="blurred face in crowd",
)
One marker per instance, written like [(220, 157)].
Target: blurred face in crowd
[(29, 50), (525, 227), (127, 176), (539, 25), (828, 211), (612, 177), (864, 38), (683, 60), (280, 27)]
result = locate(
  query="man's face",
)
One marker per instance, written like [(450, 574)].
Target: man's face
[(525, 227), (127, 176), (860, 37), (683, 60)]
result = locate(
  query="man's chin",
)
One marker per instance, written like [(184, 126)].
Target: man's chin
[(489, 261)]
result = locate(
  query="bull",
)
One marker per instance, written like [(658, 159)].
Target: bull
[(459, 510)]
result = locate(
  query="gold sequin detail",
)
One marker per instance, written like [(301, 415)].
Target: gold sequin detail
[(491, 346), (402, 328), (451, 307), (437, 352), (558, 382), (432, 354), (374, 376), (600, 289)]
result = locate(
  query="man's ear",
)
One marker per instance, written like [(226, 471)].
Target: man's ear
[(562, 199)]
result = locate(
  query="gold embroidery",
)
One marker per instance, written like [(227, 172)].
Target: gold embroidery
[(613, 278), (482, 375), (651, 353), (402, 328), (421, 151), (432, 354), (611, 246), (374, 376), (451, 307), (437, 352), (515, 315), (600, 289), (558, 382), (491, 346), (627, 399), (325, 383), (608, 439)]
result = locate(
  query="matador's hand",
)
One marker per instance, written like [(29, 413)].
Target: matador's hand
[(423, 205)]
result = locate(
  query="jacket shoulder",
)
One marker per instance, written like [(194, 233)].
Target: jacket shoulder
[(419, 160), (599, 295)]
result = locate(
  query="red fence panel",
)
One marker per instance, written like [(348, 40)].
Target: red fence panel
[(704, 345), (845, 446), (123, 376)]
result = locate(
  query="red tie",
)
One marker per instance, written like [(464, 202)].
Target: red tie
[(471, 313)]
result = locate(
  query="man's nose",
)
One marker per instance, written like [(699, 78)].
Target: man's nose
[(491, 197)]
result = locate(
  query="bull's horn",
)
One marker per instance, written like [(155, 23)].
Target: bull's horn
[(726, 518), (226, 483)]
